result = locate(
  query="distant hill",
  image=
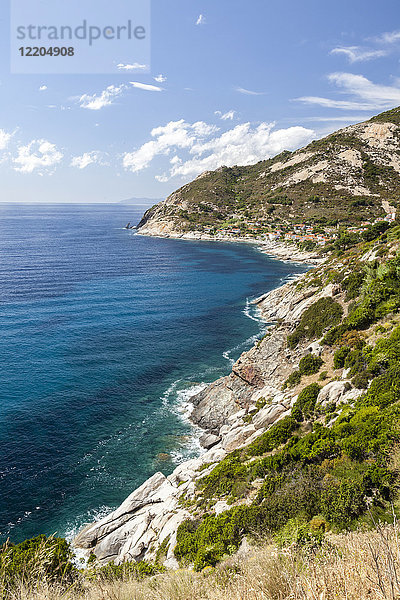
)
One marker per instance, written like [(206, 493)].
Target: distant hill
[(349, 176)]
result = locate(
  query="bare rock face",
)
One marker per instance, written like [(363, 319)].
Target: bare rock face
[(213, 406), (236, 438), (332, 392), (337, 391), (209, 440), (267, 416)]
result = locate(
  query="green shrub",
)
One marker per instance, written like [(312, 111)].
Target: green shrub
[(375, 230), (227, 478), (360, 381), (340, 357), (278, 434), (310, 364), (299, 533), (320, 315), (128, 570), (307, 399), (296, 413), (352, 284), (46, 558), (342, 502), (205, 543), (293, 379)]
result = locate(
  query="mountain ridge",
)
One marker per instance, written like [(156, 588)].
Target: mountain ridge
[(356, 168)]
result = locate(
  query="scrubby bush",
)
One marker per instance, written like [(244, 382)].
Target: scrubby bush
[(307, 399), (293, 379), (128, 569), (375, 230), (42, 558), (320, 315), (310, 364), (353, 283), (379, 296), (340, 357), (279, 433), (205, 543), (226, 479)]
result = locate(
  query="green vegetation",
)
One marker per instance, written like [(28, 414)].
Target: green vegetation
[(137, 570), (310, 364), (331, 475), (374, 231), (45, 557), (379, 296), (340, 357), (322, 314), (306, 401)]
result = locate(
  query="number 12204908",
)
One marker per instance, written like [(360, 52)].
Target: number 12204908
[(43, 51)]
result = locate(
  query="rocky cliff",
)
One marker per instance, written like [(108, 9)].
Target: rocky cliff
[(151, 515)]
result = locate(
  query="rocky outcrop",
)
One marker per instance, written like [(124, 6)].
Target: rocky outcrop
[(233, 411)]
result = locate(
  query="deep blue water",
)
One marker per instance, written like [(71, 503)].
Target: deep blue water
[(104, 334)]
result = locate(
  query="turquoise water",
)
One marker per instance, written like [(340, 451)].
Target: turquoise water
[(105, 334)]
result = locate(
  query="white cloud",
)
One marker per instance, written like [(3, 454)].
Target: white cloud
[(38, 155), (365, 94), (146, 86), (4, 139), (98, 101), (85, 159), (134, 67), (357, 54), (342, 119), (248, 92), (43, 88), (201, 20), (111, 93), (390, 37), (176, 134), (160, 78), (329, 103), (226, 116), (243, 145)]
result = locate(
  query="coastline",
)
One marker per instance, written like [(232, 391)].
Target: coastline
[(276, 250), (153, 512)]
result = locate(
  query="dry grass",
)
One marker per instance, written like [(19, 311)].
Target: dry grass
[(353, 566)]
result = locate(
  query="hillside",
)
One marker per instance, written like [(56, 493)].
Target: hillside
[(356, 168), (301, 445), (300, 442), (302, 433)]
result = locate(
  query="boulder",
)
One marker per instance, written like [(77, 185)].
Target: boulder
[(237, 437), (213, 406), (91, 535), (208, 440), (332, 392), (267, 416)]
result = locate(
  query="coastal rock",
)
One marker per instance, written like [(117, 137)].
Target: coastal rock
[(144, 495), (332, 392), (209, 440), (237, 437), (213, 406), (267, 416), (338, 391)]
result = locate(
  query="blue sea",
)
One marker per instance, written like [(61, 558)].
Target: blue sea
[(105, 335)]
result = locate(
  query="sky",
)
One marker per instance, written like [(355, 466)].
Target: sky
[(229, 82)]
